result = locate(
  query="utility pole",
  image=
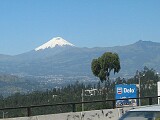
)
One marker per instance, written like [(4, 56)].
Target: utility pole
[(139, 79), (139, 82), (82, 99)]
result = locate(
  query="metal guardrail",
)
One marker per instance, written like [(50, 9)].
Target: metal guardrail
[(29, 112)]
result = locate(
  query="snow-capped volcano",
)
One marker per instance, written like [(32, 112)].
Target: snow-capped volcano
[(57, 41)]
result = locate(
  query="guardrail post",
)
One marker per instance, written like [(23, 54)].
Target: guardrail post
[(114, 104), (28, 111), (150, 100), (73, 107)]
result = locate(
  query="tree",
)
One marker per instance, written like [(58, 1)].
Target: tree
[(102, 66)]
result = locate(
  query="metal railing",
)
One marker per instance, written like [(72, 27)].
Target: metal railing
[(29, 111)]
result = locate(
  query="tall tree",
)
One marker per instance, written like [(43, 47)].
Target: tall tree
[(102, 66)]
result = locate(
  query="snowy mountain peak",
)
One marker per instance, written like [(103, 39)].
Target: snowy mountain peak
[(57, 41)]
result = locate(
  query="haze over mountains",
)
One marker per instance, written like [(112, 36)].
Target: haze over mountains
[(59, 57), (58, 62)]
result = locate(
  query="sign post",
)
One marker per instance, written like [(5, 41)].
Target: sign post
[(158, 87)]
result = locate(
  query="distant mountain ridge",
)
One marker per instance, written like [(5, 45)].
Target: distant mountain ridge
[(70, 60)]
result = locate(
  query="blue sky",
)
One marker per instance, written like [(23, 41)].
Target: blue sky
[(26, 24)]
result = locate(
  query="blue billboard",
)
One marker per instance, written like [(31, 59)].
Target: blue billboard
[(126, 91)]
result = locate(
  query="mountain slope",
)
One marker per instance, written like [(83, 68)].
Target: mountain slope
[(73, 61)]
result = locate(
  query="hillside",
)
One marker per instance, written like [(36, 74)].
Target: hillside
[(71, 61), (61, 65)]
